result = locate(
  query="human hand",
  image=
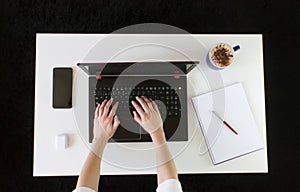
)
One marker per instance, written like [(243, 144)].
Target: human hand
[(148, 116), (105, 124)]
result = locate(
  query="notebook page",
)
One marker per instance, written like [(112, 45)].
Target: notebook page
[(231, 103)]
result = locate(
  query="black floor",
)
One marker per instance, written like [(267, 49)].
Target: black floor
[(277, 20)]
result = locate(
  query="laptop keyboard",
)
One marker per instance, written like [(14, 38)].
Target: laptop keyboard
[(166, 97)]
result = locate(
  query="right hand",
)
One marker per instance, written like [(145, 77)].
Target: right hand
[(148, 116)]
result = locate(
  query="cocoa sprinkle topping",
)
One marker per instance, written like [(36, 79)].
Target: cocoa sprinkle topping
[(222, 56)]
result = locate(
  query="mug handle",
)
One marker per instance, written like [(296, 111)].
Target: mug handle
[(236, 48)]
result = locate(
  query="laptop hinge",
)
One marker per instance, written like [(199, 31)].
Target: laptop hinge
[(176, 75), (98, 75)]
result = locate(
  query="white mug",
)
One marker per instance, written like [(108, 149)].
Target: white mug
[(222, 55)]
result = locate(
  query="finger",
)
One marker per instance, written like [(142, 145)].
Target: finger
[(136, 117), (103, 103), (148, 102), (143, 103), (97, 110), (101, 107), (113, 110), (116, 123), (106, 107), (146, 99), (138, 108), (154, 106)]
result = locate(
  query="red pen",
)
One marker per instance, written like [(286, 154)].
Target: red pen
[(219, 117)]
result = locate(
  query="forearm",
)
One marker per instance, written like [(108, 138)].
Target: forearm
[(166, 168), (89, 176), (90, 173)]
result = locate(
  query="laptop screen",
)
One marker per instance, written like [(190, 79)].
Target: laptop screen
[(138, 68)]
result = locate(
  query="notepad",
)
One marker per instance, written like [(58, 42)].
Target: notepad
[(232, 104)]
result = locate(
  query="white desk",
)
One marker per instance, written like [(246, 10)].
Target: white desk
[(57, 50)]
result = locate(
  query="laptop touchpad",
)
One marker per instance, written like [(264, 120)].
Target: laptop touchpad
[(128, 130)]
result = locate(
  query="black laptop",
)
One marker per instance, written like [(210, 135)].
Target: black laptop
[(165, 82)]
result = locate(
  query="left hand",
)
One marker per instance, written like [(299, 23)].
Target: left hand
[(105, 122)]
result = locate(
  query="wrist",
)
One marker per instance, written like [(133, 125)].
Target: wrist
[(99, 140), (158, 136), (98, 146)]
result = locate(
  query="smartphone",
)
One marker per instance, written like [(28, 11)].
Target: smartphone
[(62, 87)]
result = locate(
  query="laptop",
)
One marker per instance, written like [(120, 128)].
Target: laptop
[(165, 82)]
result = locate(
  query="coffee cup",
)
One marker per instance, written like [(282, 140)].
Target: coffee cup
[(222, 55)]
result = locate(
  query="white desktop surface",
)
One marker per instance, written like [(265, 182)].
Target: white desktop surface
[(66, 50)]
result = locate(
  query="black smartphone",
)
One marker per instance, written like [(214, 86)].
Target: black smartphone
[(62, 87)]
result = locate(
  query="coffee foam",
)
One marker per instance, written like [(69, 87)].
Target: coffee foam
[(222, 55)]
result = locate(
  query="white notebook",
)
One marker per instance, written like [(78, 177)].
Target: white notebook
[(232, 105)]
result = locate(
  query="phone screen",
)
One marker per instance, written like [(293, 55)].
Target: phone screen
[(62, 88)]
